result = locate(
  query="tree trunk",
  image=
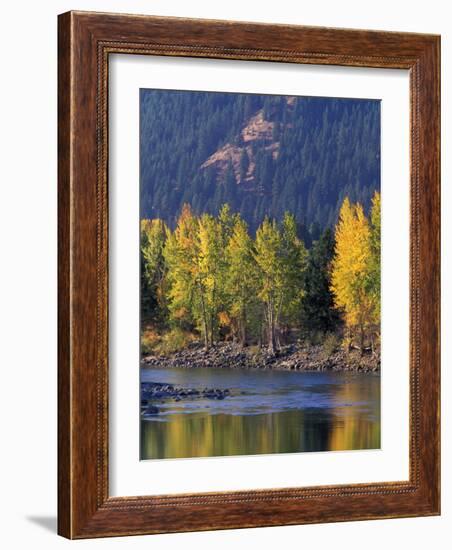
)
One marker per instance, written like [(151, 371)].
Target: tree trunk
[(204, 323), (206, 336), (271, 330), (361, 338), (277, 324), (350, 341), (212, 322), (212, 319), (243, 329)]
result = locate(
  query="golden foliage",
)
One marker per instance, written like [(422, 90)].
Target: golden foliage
[(351, 269)]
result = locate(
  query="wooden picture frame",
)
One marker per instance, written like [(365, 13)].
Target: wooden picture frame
[(85, 42)]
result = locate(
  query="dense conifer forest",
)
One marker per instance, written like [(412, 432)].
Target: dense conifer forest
[(261, 154)]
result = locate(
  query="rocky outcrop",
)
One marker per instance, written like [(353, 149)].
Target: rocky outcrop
[(223, 158), (258, 129)]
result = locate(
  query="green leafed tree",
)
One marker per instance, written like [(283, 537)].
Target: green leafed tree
[(281, 258), (154, 234), (195, 257), (241, 282), (268, 258), (374, 267), (211, 275), (181, 257), (375, 254)]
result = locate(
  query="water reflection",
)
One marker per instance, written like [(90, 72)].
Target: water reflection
[(268, 412)]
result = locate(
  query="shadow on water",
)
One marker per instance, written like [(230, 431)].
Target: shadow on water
[(267, 412)]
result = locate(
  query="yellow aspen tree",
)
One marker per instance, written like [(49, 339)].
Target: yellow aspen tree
[(350, 268)]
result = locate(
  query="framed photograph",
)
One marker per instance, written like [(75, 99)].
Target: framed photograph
[(249, 270)]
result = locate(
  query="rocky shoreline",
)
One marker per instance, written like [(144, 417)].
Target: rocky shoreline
[(291, 357)]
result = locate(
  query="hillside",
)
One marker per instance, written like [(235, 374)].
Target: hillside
[(262, 154)]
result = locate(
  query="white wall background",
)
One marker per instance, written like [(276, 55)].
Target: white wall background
[(28, 284)]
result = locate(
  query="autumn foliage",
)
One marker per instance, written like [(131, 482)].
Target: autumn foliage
[(211, 277), (356, 271)]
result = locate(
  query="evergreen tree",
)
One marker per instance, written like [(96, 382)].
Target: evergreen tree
[(293, 266), (227, 221), (318, 312), (244, 164)]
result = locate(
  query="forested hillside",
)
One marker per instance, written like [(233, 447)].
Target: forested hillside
[(263, 155)]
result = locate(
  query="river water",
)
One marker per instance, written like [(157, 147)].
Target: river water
[(266, 412)]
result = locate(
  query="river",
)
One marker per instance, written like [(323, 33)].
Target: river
[(268, 411)]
